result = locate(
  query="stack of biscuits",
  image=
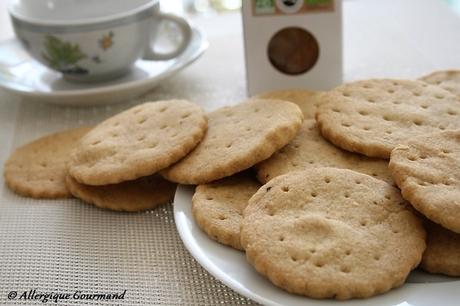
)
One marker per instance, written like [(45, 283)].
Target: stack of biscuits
[(115, 164), (367, 190), (336, 194), (134, 160)]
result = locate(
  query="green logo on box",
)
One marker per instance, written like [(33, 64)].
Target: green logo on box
[(265, 7), (317, 2)]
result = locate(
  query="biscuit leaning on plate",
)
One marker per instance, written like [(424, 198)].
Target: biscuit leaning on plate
[(38, 169), (138, 142), (427, 170), (332, 233), (371, 117), (307, 100), (218, 207), (442, 254), (309, 150), (448, 79), (237, 138), (141, 194)]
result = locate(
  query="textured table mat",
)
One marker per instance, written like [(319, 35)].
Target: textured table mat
[(67, 246), (64, 246)]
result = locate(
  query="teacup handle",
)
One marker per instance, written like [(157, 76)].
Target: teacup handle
[(184, 27)]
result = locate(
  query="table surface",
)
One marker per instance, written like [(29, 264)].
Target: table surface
[(65, 245)]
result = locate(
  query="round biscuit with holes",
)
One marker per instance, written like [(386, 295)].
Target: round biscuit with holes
[(308, 101), (427, 170), (442, 254), (238, 137), (309, 150), (144, 193), (138, 142), (332, 233), (371, 117), (218, 207), (448, 79), (38, 169)]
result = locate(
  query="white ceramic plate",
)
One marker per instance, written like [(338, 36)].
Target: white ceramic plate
[(230, 267), (22, 75)]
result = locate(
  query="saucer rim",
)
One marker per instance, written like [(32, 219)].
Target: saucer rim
[(202, 46)]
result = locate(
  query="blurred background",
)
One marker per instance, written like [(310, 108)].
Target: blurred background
[(187, 7)]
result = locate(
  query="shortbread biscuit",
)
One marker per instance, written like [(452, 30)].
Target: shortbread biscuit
[(332, 233), (427, 170), (308, 101), (237, 138), (141, 194), (218, 207), (372, 117), (448, 79), (442, 254), (38, 169), (138, 142), (309, 150)]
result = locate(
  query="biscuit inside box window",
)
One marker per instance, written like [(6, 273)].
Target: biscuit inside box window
[(293, 51)]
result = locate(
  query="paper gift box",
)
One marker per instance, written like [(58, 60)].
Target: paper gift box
[(292, 44)]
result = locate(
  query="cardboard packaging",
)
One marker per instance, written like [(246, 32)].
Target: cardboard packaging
[(292, 44)]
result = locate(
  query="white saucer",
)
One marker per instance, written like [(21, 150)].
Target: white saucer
[(24, 76), (231, 268)]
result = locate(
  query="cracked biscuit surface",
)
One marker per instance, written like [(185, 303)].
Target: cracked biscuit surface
[(332, 233)]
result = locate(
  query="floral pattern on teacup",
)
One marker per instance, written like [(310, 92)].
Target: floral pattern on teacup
[(63, 56), (106, 42)]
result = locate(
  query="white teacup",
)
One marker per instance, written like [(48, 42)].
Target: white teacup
[(92, 40)]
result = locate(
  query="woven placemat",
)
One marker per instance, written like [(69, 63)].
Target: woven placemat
[(66, 246)]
